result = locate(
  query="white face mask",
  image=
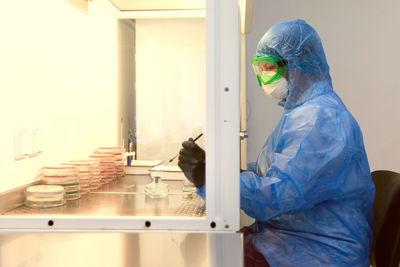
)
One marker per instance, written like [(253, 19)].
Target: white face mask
[(278, 89)]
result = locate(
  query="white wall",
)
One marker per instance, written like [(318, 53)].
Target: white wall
[(58, 72), (361, 41), (170, 84)]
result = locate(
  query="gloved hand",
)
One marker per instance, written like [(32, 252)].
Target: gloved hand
[(192, 161)]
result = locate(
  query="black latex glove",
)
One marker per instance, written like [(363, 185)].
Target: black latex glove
[(192, 161)]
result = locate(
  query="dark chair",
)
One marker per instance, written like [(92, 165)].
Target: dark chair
[(386, 246)]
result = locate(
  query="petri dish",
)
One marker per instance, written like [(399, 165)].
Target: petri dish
[(71, 188), (61, 180), (44, 196), (188, 189), (58, 170), (44, 190), (72, 195), (48, 203)]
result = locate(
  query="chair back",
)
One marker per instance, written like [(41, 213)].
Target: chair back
[(386, 245)]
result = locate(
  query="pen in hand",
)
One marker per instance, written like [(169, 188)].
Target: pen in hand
[(190, 139)]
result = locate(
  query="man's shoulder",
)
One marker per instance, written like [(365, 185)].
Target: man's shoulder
[(328, 104), (326, 110)]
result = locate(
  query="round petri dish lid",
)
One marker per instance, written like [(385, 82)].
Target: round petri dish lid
[(100, 156), (109, 162), (55, 181), (93, 161), (44, 204), (59, 182), (73, 196), (60, 166), (45, 190), (78, 164), (85, 191), (47, 198), (58, 170), (87, 178), (84, 173), (80, 167), (71, 188), (103, 158), (44, 198)]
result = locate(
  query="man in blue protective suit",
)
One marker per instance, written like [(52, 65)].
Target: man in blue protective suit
[(310, 189)]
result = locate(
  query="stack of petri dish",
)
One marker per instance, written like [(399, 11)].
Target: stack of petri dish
[(65, 176), (95, 183), (188, 189), (44, 196), (118, 153), (84, 174), (107, 167)]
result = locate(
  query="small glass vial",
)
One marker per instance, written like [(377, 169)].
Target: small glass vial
[(188, 189), (156, 189)]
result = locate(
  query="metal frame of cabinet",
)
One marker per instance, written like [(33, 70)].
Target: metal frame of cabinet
[(223, 147), (155, 13)]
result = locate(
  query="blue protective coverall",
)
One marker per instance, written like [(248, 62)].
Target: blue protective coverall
[(310, 190)]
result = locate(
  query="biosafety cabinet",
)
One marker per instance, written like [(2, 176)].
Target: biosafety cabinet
[(82, 80)]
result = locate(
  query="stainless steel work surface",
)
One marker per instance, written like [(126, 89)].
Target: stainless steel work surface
[(125, 197), (121, 250)]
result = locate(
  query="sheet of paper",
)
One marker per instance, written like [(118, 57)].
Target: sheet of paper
[(167, 168), (145, 163)]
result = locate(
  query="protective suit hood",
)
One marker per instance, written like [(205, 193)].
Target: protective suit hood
[(307, 69)]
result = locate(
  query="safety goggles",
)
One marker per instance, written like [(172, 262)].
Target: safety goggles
[(266, 72)]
